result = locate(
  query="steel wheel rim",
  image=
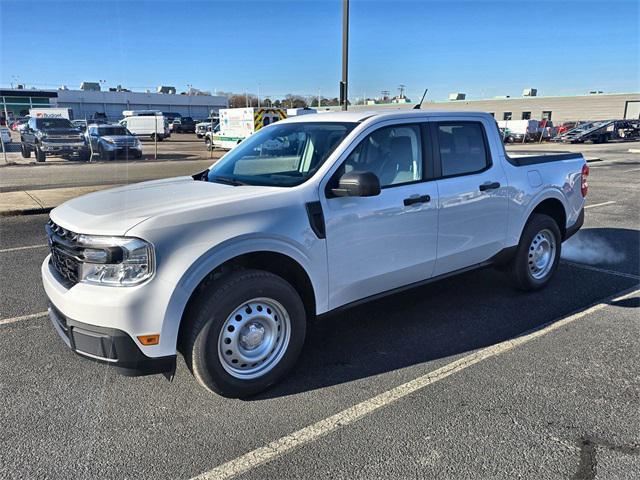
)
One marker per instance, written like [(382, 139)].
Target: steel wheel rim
[(541, 254), (254, 338)]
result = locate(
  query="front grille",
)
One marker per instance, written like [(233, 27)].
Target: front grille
[(62, 139), (64, 252)]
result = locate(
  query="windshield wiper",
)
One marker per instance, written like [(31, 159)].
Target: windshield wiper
[(228, 181)]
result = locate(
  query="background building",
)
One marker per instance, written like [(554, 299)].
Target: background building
[(86, 103), (610, 106)]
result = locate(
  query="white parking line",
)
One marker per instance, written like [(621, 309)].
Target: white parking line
[(7, 321), (28, 247), (610, 202), (346, 417), (601, 270), (632, 170)]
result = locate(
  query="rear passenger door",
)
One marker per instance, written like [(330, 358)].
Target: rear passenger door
[(472, 188)]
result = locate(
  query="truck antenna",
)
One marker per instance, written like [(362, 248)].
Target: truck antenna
[(417, 106)]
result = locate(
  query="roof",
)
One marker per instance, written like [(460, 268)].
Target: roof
[(361, 115), (20, 92)]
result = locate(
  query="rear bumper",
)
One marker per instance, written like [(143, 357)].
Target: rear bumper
[(108, 345), (573, 229)]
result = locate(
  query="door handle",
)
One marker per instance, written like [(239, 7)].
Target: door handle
[(489, 186), (416, 199)]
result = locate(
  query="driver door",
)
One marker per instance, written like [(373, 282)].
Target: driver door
[(376, 244)]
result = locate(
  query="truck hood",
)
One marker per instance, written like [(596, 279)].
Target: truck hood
[(117, 210)]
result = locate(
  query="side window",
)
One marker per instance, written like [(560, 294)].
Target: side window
[(462, 148), (394, 154)]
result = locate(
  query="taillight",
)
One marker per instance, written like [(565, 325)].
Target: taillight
[(584, 182)]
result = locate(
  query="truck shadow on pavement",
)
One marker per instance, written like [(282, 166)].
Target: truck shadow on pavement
[(447, 318)]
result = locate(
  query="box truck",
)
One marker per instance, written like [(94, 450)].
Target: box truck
[(236, 124)]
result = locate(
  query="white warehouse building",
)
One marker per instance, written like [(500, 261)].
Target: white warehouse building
[(88, 103)]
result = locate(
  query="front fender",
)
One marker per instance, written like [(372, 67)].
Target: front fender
[(233, 248)]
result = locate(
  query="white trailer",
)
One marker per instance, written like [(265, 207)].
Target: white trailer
[(147, 125)]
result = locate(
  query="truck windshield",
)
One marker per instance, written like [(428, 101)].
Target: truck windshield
[(283, 155), (53, 123)]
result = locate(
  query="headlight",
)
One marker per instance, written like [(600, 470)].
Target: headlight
[(42, 135), (109, 140), (115, 261)]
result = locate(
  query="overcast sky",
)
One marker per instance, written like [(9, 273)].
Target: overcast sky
[(478, 47)]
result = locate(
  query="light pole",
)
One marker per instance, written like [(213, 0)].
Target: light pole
[(345, 53)]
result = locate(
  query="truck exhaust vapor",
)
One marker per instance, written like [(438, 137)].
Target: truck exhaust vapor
[(591, 250)]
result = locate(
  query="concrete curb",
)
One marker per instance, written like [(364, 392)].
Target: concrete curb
[(34, 202)]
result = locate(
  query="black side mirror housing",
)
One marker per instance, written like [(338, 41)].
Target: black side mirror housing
[(357, 184)]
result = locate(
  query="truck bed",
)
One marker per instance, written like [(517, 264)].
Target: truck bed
[(527, 160)]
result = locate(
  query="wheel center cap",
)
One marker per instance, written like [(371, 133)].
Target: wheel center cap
[(251, 336)]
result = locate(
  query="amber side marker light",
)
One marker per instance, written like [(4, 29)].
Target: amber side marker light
[(149, 339)]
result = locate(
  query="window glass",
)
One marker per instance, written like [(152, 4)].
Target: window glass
[(526, 115), (546, 115), (394, 154), (506, 116), (462, 148), (280, 155)]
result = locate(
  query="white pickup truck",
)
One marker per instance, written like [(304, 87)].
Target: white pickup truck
[(309, 215)]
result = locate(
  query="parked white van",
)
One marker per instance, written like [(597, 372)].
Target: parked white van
[(147, 126)]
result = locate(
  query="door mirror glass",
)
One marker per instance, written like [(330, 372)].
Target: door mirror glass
[(357, 184)]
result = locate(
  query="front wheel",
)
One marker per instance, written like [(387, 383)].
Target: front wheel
[(538, 253), (244, 333), (40, 155)]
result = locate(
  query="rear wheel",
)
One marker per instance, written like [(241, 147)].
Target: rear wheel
[(25, 151), (244, 333), (538, 253)]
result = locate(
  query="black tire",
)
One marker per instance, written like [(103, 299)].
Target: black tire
[(104, 155), (40, 155), (84, 156), (208, 315), (24, 151), (519, 268)]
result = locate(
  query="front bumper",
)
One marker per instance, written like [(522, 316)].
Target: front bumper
[(132, 311), (64, 148), (108, 345)]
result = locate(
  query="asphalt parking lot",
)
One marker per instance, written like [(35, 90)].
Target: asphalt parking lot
[(465, 378)]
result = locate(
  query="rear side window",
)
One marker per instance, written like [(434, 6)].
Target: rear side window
[(462, 148)]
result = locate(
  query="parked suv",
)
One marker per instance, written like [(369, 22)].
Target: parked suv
[(52, 136), (111, 141), (183, 125), (306, 216)]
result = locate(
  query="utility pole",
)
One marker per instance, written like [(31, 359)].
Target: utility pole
[(345, 53), (401, 87)]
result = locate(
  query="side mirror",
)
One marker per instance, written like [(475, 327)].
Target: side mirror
[(357, 184)]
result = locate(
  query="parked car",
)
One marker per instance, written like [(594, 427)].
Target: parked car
[(147, 126), (82, 124), (6, 134), (112, 141), (52, 136), (19, 124), (183, 125), (304, 217)]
